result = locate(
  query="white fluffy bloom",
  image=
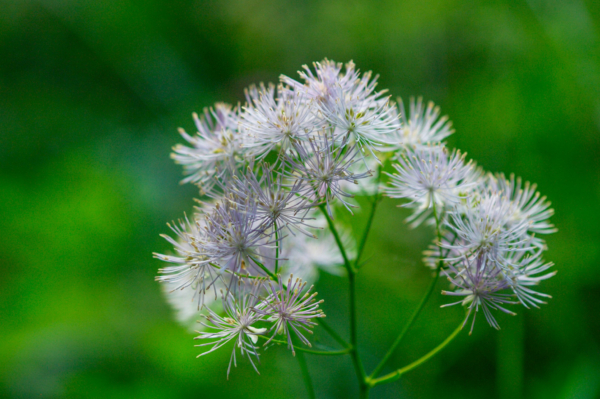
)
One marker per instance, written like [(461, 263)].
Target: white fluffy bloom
[(526, 203), (431, 176), (420, 127), (482, 232), (349, 102), (328, 73), (216, 150), (367, 119), (275, 120), (290, 309), (192, 271), (321, 167), (525, 274), (238, 324)]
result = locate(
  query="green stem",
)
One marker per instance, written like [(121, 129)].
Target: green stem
[(338, 241), (398, 373), (311, 351), (333, 333), (358, 367), (277, 247), (363, 240), (264, 269), (310, 390), (417, 311), (408, 325)]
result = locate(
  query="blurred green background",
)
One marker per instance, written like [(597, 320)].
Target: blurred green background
[(91, 94)]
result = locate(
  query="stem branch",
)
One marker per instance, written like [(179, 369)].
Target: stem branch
[(398, 373), (419, 308), (358, 367)]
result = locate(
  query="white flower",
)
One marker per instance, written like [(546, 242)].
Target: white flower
[(216, 150), (482, 232), (527, 205), (419, 128), (349, 102), (318, 86), (291, 308), (321, 167), (366, 119), (193, 272), (275, 121), (240, 316), (429, 177), (526, 274)]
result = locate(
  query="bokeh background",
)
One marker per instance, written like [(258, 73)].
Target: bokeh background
[(91, 94)]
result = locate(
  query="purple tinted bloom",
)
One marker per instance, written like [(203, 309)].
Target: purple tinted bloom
[(274, 201), (234, 236), (480, 285), (321, 167), (429, 177), (216, 150), (289, 309), (237, 324)]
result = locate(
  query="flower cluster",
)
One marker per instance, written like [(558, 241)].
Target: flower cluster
[(268, 168), (486, 224)]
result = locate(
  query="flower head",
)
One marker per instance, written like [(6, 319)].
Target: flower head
[(216, 150), (429, 177), (420, 127), (275, 202), (482, 232), (321, 167), (193, 272), (290, 308), (275, 121), (237, 324), (234, 236), (481, 287)]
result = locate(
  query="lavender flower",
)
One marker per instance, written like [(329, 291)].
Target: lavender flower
[(480, 285), (430, 177), (321, 168), (288, 309), (216, 150), (193, 270), (238, 325), (275, 202), (234, 236)]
